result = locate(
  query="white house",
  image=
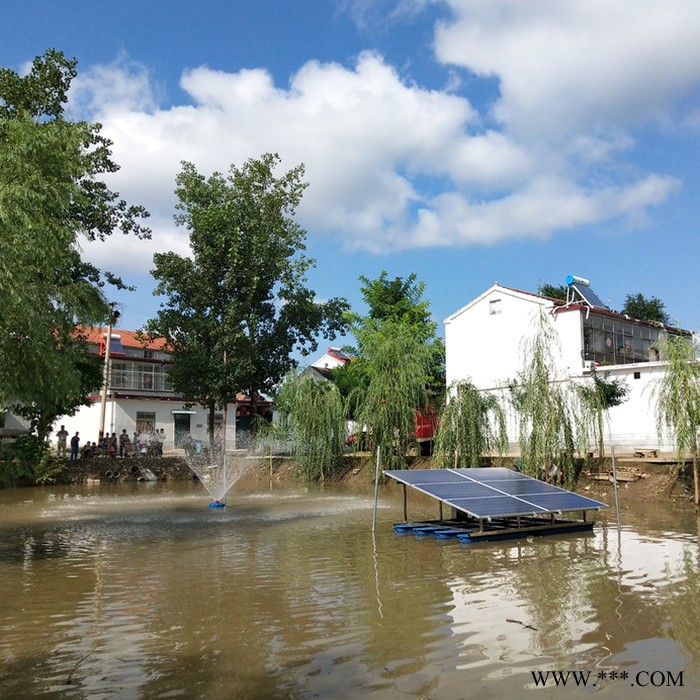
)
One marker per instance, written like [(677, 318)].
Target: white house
[(140, 398), (483, 342)]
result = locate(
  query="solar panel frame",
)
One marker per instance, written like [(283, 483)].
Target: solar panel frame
[(493, 492)]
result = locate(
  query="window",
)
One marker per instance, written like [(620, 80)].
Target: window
[(637, 375), (616, 342), (148, 354), (494, 307), (145, 422), (139, 375)]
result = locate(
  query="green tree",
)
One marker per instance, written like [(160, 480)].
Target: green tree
[(316, 418), (553, 291), (472, 424), (597, 398), (398, 301), (234, 312), (677, 399), (543, 402), (51, 199), (396, 366), (653, 309)]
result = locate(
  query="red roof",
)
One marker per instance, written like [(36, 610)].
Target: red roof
[(96, 335)]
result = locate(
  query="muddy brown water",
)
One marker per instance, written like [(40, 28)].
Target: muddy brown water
[(142, 591)]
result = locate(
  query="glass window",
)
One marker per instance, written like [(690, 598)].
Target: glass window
[(145, 422)]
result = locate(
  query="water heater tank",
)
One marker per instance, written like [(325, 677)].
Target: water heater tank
[(573, 279)]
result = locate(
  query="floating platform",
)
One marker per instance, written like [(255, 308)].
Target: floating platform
[(494, 503)]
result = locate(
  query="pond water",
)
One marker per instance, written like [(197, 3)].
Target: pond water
[(142, 591)]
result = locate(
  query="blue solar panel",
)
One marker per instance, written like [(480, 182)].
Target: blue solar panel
[(495, 506), (465, 489), (493, 492), (589, 296), (428, 476), (520, 487), (490, 474), (563, 501)]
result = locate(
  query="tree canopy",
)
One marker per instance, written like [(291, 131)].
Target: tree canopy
[(51, 199), (235, 311), (398, 364), (651, 309), (554, 291), (397, 301)]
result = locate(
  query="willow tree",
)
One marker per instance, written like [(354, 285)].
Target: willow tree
[(472, 424), (315, 412), (677, 398), (545, 407), (397, 365), (597, 397)]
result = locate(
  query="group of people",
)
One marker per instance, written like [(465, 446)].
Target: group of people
[(140, 445)]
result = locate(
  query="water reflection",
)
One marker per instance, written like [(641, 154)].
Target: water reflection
[(128, 592)]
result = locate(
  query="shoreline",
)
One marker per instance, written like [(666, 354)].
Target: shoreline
[(640, 481)]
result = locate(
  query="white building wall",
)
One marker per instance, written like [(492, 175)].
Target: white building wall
[(483, 344), (482, 340), (121, 413)]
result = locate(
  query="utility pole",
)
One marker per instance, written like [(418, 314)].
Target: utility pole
[(113, 318)]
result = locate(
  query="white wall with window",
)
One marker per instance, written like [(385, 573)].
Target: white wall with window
[(483, 344)]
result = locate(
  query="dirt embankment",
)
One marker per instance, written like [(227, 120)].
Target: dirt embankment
[(641, 481)]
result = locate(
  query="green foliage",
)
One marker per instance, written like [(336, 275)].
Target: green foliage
[(398, 301), (472, 424), (545, 411), (396, 366), (236, 310), (597, 397), (677, 400), (26, 461), (316, 417), (653, 309), (50, 198), (552, 291)]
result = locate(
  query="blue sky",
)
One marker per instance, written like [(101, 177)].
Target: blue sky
[(468, 141)]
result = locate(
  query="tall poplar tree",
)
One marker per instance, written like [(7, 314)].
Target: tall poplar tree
[(51, 200), (239, 306)]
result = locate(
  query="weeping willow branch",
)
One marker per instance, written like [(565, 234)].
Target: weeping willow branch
[(316, 415), (597, 397), (677, 398), (471, 425), (546, 408), (398, 365)]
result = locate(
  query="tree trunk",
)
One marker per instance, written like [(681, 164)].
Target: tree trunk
[(253, 410)]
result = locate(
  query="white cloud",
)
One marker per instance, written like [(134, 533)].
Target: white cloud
[(580, 66), (393, 165)]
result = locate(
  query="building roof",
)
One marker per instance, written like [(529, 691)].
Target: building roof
[(560, 306), (129, 339)]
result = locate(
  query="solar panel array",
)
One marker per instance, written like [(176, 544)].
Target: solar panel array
[(589, 296), (493, 492)]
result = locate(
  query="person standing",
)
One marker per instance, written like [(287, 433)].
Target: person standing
[(123, 441), (74, 445), (62, 436)]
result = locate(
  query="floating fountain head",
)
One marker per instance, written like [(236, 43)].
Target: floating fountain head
[(217, 478), (216, 467)]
